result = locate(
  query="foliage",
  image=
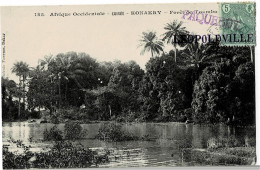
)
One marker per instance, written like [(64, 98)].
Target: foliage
[(209, 83), (13, 161), (73, 130), (21, 69), (53, 134), (71, 113), (228, 81), (151, 43), (54, 119), (161, 89), (120, 96), (9, 107), (174, 30), (61, 155), (42, 91), (113, 132)]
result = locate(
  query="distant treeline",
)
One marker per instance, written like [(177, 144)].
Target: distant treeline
[(205, 83)]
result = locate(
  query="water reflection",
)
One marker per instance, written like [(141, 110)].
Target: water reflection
[(164, 150)]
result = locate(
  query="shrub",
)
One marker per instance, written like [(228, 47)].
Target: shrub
[(35, 114), (73, 130), (54, 119), (113, 132), (53, 134), (110, 131), (61, 155), (13, 161)]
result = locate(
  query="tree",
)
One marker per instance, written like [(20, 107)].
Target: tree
[(63, 63), (106, 102), (21, 69), (197, 55), (150, 42), (124, 83), (244, 89), (73, 73), (174, 29), (225, 92), (46, 63), (9, 107), (42, 91), (161, 89)]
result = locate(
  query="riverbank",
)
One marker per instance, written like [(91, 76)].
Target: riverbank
[(158, 144)]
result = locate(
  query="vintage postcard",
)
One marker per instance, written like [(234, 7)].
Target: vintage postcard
[(138, 85)]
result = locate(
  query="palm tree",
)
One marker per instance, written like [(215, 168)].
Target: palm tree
[(64, 64), (151, 43), (71, 66), (196, 54), (21, 69), (174, 29), (46, 62)]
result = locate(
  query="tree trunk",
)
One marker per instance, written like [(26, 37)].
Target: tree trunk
[(175, 54), (19, 108), (19, 101), (196, 72), (24, 91)]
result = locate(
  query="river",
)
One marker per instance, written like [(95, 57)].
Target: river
[(164, 150)]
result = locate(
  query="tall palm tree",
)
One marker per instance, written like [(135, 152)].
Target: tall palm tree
[(196, 54), (176, 29), (72, 66), (21, 69), (151, 43), (63, 62), (46, 62)]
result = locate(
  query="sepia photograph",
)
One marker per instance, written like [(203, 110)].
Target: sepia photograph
[(128, 85)]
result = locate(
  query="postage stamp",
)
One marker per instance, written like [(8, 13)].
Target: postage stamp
[(239, 19)]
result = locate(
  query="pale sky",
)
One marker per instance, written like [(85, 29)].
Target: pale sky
[(106, 38)]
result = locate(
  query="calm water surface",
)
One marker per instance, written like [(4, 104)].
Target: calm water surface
[(163, 150)]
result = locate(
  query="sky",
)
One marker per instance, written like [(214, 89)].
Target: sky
[(106, 38)]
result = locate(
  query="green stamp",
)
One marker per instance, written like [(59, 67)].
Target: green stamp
[(237, 23)]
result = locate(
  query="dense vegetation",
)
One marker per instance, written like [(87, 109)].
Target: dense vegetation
[(61, 155), (207, 83)]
